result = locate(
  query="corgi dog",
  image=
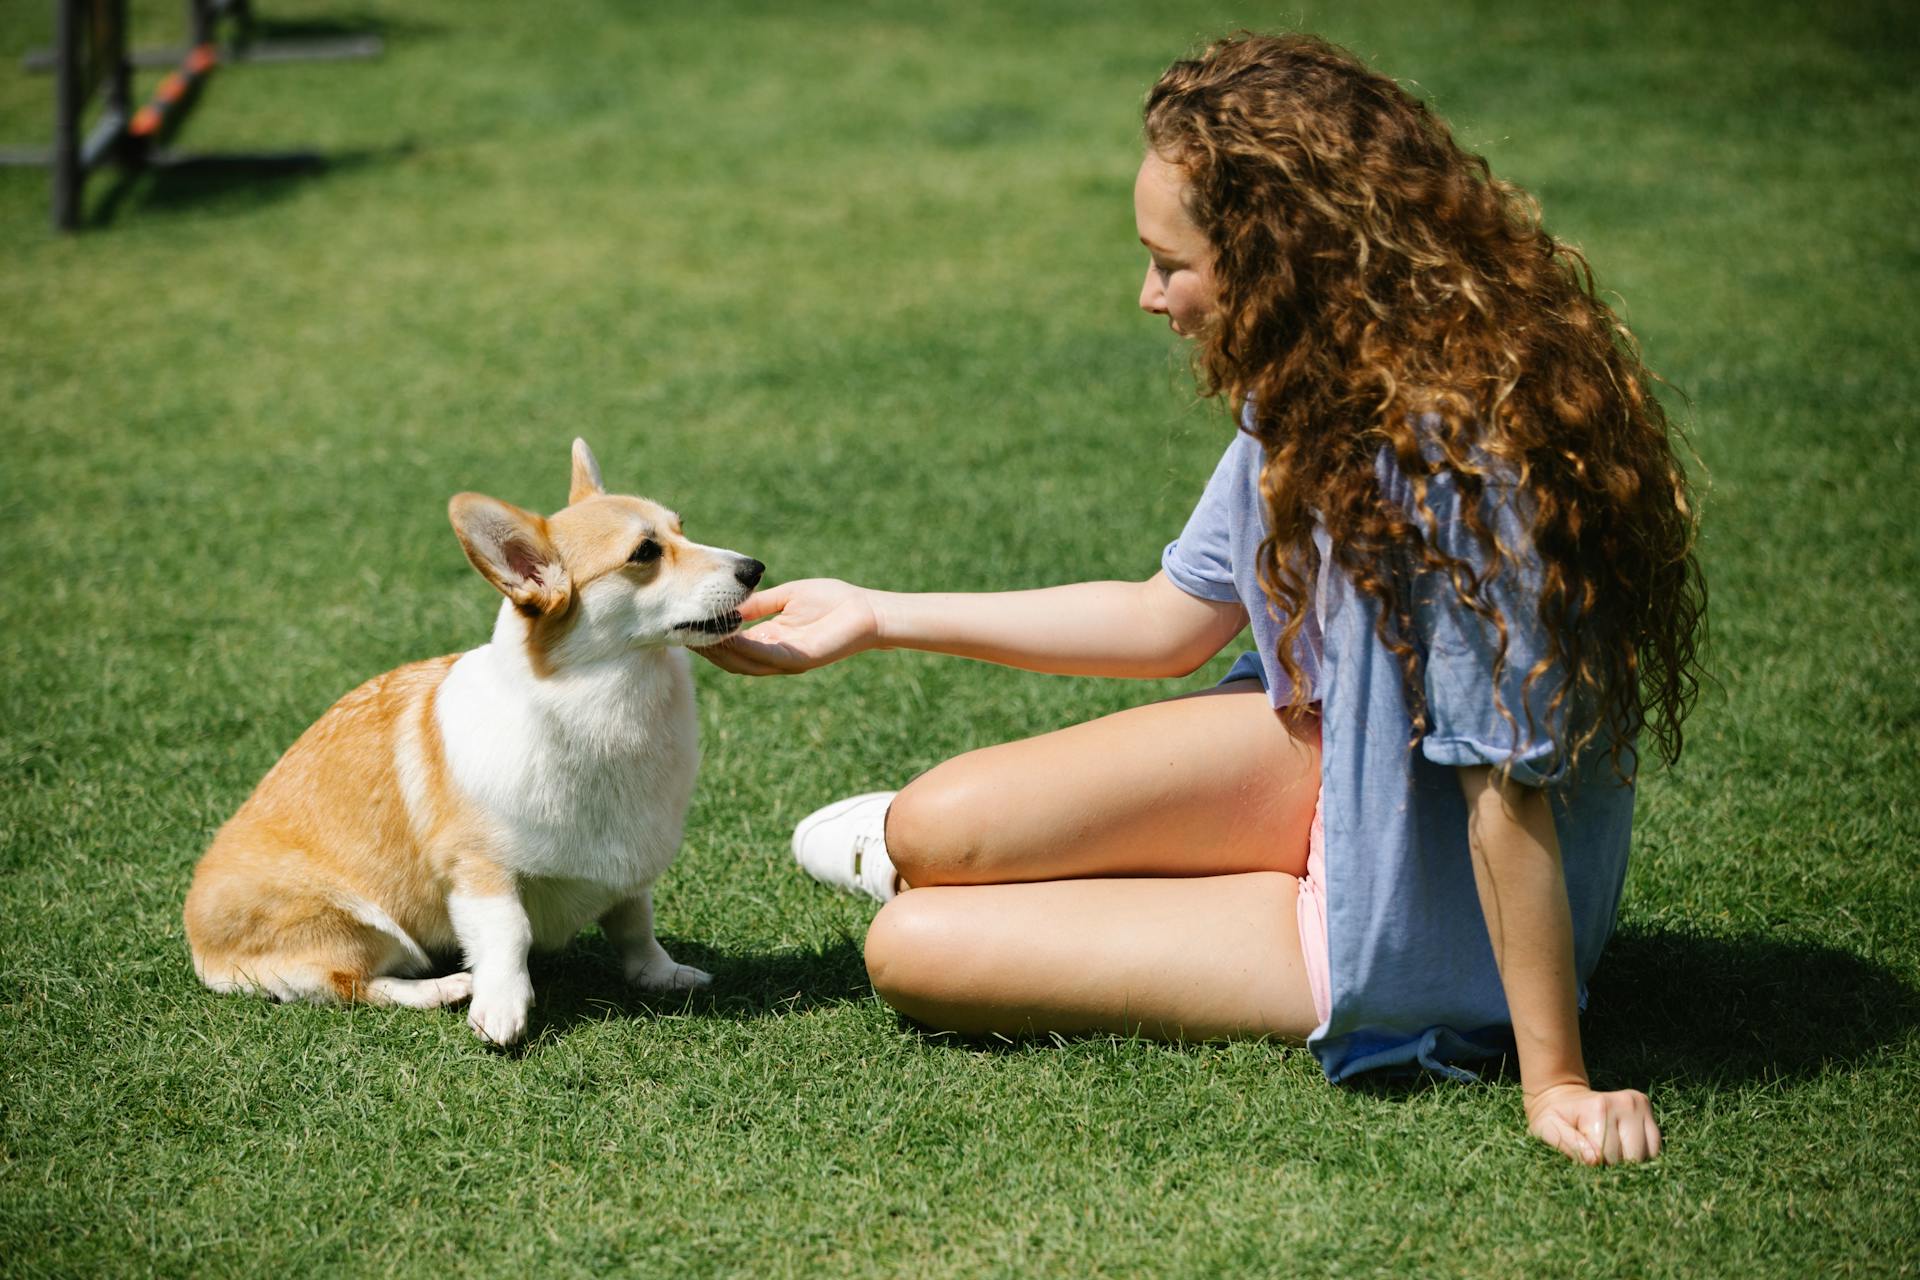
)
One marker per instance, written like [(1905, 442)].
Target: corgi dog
[(490, 801)]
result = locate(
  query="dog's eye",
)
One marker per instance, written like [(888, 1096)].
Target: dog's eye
[(646, 553)]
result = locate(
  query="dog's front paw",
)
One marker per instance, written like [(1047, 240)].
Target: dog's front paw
[(498, 1014), (662, 972)]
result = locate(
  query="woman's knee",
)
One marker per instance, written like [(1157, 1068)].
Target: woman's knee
[(935, 825), (908, 951)]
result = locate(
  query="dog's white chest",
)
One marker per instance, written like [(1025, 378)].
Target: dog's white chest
[(584, 777)]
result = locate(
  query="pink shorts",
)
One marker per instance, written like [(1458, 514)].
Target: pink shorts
[(1311, 908)]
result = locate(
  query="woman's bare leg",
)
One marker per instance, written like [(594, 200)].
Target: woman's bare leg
[(1137, 873), (1208, 784), (1176, 959)]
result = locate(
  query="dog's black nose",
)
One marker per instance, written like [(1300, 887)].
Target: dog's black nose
[(748, 572)]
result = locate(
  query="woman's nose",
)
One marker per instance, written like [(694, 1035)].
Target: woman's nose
[(1153, 299)]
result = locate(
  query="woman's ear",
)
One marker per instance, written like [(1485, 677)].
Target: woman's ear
[(511, 549)]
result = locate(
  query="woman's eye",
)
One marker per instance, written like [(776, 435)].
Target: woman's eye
[(1165, 273), (646, 553)]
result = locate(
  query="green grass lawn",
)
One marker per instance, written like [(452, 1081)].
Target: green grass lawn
[(852, 286)]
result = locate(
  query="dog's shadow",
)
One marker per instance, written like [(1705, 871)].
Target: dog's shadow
[(583, 983)]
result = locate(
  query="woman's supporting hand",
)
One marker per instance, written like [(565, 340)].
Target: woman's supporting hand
[(811, 622), (1523, 895), (1594, 1128)]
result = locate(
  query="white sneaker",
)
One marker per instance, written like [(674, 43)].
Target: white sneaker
[(845, 845)]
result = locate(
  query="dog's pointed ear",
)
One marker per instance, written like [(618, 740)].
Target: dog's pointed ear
[(586, 474), (511, 549)]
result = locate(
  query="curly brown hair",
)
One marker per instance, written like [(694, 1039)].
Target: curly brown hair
[(1380, 290)]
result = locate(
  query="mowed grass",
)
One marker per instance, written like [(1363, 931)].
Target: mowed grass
[(852, 286)]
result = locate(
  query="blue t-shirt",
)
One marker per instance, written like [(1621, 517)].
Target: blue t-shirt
[(1216, 558), (1412, 971)]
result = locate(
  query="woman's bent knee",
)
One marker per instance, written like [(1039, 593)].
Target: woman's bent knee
[(934, 826)]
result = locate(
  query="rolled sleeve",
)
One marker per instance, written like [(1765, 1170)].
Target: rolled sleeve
[(1477, 715), (1194, 579), (1200, 560)]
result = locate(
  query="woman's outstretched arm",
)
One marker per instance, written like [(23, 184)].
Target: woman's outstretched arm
[(1142, 629), (1523, 893)]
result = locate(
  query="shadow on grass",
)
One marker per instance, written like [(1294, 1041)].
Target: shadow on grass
[(344, 26), (1667, 1004), (1682, 1005), (229, 182), (584, 984)]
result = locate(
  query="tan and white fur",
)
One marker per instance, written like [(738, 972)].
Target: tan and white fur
[(490, 801)]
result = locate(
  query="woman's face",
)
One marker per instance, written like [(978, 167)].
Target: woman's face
[(1179, 283)]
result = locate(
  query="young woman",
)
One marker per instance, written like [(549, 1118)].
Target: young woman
[(1454, 519)]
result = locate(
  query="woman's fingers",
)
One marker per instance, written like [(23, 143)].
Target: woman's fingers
[(1557, 1131), (1632, 1129), (1606, 1127), (1631, 1119), (763, 604), (802, 625), (766, 651), (1599, 1128), (1639, 1135), (762, 651), (1579, 1145), (729, 658)]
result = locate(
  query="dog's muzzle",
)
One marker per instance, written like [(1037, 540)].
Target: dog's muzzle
[(718, 625)]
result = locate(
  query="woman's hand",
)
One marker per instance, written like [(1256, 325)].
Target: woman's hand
[(813, 622), (1594, 1128)]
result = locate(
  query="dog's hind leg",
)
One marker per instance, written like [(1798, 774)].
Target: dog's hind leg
[(289, 979), (402, 955), (397, 955), (629, 926), (420, 993), (330, 947), (332, 984)]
